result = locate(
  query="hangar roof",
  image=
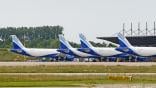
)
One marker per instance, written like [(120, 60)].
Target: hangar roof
[(135, 40)]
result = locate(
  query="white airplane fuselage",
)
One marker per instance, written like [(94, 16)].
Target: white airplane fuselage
[(145, 51), (40, 52), (106, 51), (35, 52)]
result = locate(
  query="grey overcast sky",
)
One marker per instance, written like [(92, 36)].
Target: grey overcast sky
[(91, 17)]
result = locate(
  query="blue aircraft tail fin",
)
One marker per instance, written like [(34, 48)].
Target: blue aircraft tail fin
[(125, 46), (64, 44), (123, 42), (16, 43), (84, 42)]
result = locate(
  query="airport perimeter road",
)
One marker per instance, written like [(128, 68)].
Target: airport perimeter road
[(81, 74), (78, 63)]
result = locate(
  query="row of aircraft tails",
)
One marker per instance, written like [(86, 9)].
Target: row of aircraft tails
[(125, 49)]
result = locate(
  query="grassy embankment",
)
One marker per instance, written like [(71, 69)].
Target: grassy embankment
[(46, 80), (73, 80), (7, 55), (77, 69)]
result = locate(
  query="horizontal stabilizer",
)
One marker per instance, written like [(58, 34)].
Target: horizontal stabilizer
[(85, 50), (63, 50)]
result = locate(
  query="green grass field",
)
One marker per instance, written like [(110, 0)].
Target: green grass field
[(46, 80), (73, 80), (7, 55), (77, 69)]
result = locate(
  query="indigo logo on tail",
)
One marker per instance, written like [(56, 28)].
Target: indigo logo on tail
[(16, 42), (123, 41), (63, 43), (125, 46), (84, 42)]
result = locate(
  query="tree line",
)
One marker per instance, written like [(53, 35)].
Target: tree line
[(36, 37), (43, 36)]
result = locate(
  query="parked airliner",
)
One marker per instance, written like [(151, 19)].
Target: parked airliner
[(66, 48), (98, 51), (19, 48), (126, 47)]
